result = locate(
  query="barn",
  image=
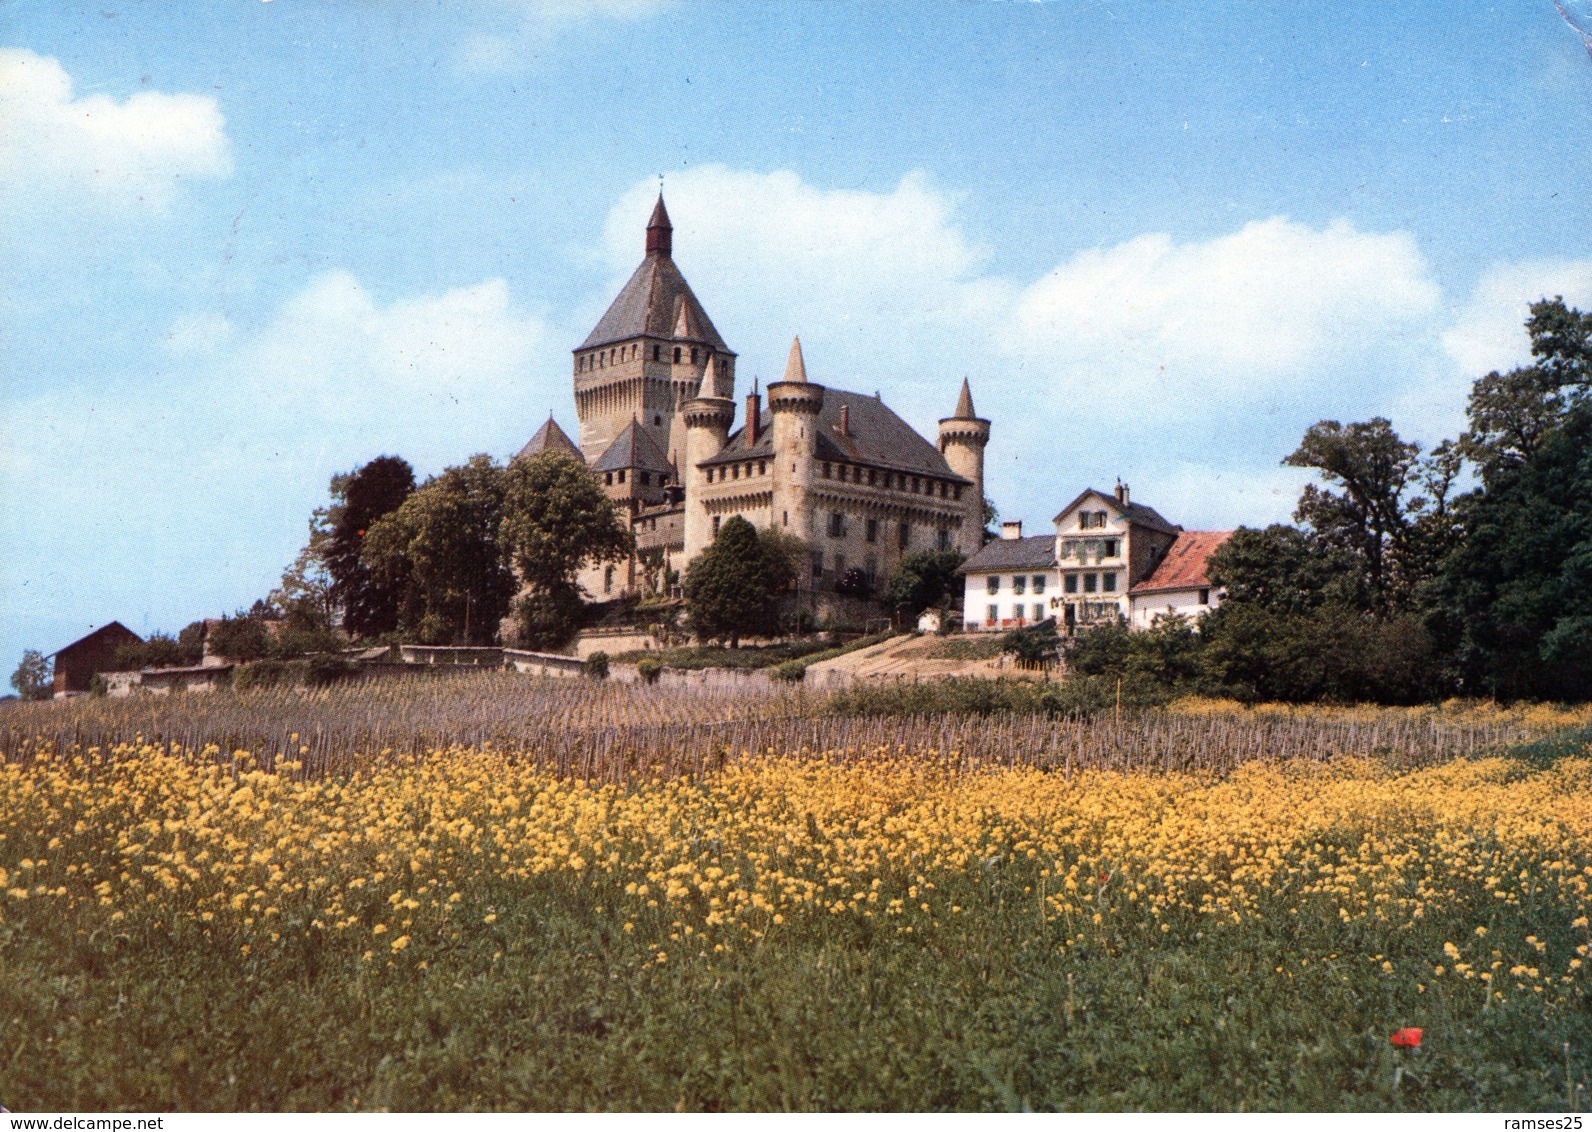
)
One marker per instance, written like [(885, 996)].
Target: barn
[(83, 659)]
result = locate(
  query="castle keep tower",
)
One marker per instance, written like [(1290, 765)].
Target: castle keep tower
[(707, 419), (648, 354), (963, 436)]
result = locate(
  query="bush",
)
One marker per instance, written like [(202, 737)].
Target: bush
[(597, 666), (1034, 646), (791, 671), (649, 668), (313, 671), (240, 639), (159, 651)]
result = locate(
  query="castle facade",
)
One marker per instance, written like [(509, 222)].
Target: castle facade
[(656, 403)]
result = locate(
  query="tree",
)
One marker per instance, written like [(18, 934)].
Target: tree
[(925, 579), (1512, 603), (441, 554), (731, 590), (360, 499), (556, 520), (158, 651), (32, 679), (1283, 570), (242, 638), (1033, 645)]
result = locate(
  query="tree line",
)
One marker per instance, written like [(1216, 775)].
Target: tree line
[(1407, 576)]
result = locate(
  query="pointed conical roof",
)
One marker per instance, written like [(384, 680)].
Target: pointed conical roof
[(550, 436), (964, 405), (795, 365), (657, 300), (633, 448), (660, 233)]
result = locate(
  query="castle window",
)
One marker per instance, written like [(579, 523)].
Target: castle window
[(621, 475), (785, 519), (735, 471), (657, 420), (873, 477), (871, 568), (762, 468), (917, 485), (657, 352), (608, 478), (942, 539), (646, 478), (715, 526), (826, 471), (873, 530), (818, 564), (608, 580), (837, 525), (904, 535), (840, 564), (957, 495), (600, 362), (942, 491), (693, 355), (677, 355)]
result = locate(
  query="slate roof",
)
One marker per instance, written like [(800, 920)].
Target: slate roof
[(633, 448), (1036, 552), (655, 303), (1183, 568), (1136, 512), (878, 438), (550, 436)]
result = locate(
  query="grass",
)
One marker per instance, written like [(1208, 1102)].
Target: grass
[(1012, 911), (747, 657), (966, 648)]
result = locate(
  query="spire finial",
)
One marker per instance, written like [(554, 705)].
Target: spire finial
[(660, 233), (964, 404), (795, 366)]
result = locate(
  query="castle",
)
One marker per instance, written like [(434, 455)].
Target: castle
[(655, 398)]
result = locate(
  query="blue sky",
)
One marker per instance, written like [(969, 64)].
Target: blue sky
[(249, 245)]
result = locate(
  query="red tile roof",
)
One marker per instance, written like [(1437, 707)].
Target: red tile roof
[(1183, 568)]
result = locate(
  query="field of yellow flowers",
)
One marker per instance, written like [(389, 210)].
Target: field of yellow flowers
[(838, 930)]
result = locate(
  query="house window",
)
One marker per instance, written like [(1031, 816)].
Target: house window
[(1019, 585), (993, 583), (1205, 597), (1069, 584), (994, 614), (942, 539), (1108, 582), (904, 535), (715, 526), (1039, 584), (1090, 583), (646, 478), (873, 530), (1109, 548), (837, 525), (1039, 612)]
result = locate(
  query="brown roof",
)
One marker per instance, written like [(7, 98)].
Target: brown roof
[(114, 635), (550, 436), (656, 303), (876, 437), (1183, 568)]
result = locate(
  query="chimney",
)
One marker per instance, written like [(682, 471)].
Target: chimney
[(845, 420), (754, 416), (1012, 529), (1122, 493)]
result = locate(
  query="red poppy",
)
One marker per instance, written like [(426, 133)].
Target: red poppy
[(1407, 1038), (1104, 877)]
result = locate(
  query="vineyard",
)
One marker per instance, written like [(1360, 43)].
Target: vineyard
[(494, 892)]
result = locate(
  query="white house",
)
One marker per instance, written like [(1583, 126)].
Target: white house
[(1011, 582), (1179, 584), (1105, 545)]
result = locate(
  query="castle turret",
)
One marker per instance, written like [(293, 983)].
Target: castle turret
[(707, 420), (794, 403), (963, 436)]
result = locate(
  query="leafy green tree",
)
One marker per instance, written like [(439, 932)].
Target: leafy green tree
[(731, 590), (556, 520), (1284, 570), (241, 638), (360, 499), (1513, 603), (1033, 645), (33, 680), (926, 578), (159, 650), (191, 642), (441, 552)]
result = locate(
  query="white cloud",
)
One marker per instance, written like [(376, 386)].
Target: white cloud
[(209, 474), (518, 29), (136, 150), (1168, 324), (1488, 333)]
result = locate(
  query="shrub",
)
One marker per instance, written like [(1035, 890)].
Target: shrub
[(597, 666), (649, 668), (791, 671), (1034, 646)]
